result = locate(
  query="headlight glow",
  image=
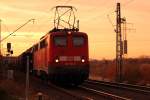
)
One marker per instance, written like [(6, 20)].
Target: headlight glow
[(69, 33), (83, 60), (56, 60)]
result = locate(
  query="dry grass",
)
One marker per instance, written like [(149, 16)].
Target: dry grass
[(135, 71)]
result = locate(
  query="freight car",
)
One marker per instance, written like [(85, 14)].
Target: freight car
[(22, 60)]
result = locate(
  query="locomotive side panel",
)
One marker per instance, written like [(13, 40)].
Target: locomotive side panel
[(41, 55), (35, 57)]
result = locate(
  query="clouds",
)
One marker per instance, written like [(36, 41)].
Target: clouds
[(93, 20), (11, 11)]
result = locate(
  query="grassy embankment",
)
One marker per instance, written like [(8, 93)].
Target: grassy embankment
[(5, 96), (135, 70)]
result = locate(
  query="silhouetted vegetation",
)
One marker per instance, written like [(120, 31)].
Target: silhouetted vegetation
[(135, 70), (5, 96)]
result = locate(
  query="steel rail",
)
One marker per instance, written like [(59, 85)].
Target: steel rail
[(68, 92), (121, 86), (105, 94)]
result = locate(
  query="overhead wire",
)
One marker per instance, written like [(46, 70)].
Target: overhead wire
[(39, 28), (67, 2), (128, 2), (16, 30), (125, 4), (42, 22), (7, 29), (57, 3), (110, 10), (96, 16), (109, 17), (110, 21), (46, 20)]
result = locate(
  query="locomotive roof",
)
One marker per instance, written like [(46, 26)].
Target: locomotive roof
[(60, 31)]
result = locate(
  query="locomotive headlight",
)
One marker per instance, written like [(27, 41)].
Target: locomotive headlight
[(56, 60), (83, 60), (69, 33)]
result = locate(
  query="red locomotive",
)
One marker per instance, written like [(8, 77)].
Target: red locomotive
[(61, 56)]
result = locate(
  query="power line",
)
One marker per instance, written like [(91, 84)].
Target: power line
[(102, 15), (67, 2), (128, 2), (17, 29), (110, 21), (7, 29), (111, 12), (58, 0)]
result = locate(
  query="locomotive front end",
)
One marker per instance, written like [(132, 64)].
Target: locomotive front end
[(70, 58)]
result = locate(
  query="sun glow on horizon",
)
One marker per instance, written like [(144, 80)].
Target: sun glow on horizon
[(93, 20)]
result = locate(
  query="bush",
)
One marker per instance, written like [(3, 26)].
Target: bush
[(5, 96)]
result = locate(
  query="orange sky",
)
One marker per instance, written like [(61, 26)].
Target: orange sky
[(93, 21)]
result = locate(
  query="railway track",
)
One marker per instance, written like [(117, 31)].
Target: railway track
[(90, 90), (66, 91), (54, 92), (119, 91), (71, 93), (107, 95), (130, 87), (49, 91), (85, 93)]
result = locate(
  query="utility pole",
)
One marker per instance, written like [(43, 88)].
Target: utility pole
[(0, 36), (0, 45), (119, 45), (27, 79)]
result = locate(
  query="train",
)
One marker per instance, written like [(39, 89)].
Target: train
[(61, 56)]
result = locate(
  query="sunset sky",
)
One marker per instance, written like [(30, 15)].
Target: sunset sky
[(93, 20)]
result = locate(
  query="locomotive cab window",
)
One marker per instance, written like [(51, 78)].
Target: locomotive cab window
[(36, 47), (78, 40), (43, 44), (60, 41)]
